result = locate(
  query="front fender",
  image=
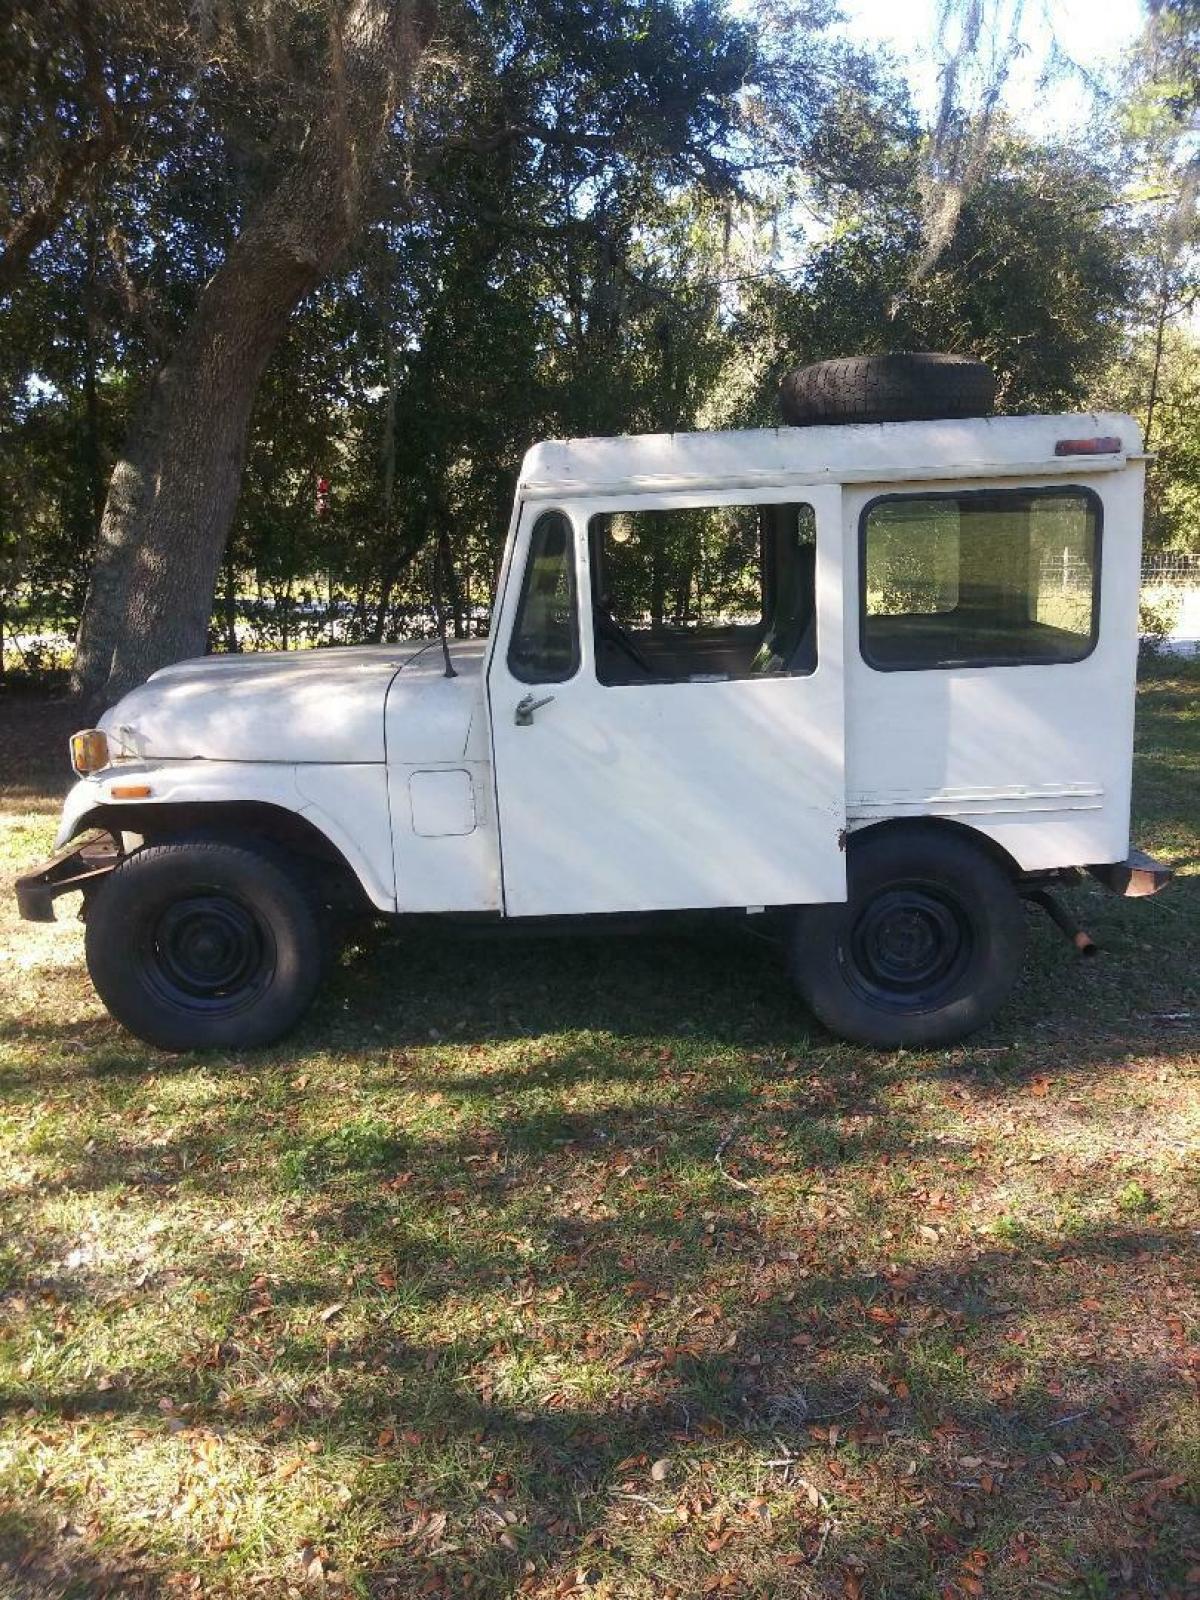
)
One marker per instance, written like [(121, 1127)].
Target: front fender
[(346, 802)]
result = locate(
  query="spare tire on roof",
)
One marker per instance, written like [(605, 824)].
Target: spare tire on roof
[(903, 387)]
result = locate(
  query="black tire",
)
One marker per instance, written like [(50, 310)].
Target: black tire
[(205, 944), (925, 949), (904, 387)]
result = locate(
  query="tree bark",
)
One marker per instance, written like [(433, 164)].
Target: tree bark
[(91, 391), (174, 491), (1160, 328)]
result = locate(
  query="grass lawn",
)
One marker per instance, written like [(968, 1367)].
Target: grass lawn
[(594, 1268)]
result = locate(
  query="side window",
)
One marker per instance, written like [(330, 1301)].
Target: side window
[(544, 647), (980, 579), (699, 593)]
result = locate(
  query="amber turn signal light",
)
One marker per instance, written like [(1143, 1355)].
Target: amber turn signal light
[(89, 751)]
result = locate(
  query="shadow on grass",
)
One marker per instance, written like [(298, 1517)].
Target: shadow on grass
[(535, 1339), (806, 1349), (797, 1386), (721, 991), (46, 1557)]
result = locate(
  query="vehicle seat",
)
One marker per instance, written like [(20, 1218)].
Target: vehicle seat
[(790, 643)]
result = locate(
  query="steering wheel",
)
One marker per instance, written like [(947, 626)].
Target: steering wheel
[(611, 631)]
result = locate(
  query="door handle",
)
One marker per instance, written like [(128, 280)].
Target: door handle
[(523, 714)]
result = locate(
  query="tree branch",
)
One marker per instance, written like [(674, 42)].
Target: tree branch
[(37, 223)]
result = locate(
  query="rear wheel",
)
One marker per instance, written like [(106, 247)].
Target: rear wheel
[(205, 944), (926, 947)]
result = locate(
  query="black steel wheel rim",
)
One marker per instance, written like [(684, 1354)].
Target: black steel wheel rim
[(909, 946), (207, 952)]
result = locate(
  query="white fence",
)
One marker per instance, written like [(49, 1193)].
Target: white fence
[(1171, 591)]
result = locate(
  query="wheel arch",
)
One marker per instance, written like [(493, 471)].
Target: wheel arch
[(256, 818), (945, 827), (928, 943)]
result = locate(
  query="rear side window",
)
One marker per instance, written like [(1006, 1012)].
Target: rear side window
[(980, 579), (544, 647)]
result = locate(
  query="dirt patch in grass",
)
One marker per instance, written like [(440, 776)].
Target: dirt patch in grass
[(594, 1267), (34, 769)]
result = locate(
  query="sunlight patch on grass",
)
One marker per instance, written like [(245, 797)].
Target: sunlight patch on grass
[(528, 1261)]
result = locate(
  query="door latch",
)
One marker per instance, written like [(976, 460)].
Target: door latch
[(523, 714)]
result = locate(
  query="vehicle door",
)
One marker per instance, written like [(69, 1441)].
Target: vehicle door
[(667, 705)]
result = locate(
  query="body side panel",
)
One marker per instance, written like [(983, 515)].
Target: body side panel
[(457, 867), (1038, 758), (444, 846), (643, 797)]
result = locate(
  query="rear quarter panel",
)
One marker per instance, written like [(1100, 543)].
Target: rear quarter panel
[(1038, 758)]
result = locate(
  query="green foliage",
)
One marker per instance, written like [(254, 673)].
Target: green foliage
[(350, 1152), (1157, 616), (697, 565), (1171, 371), (1033, 281), (1159, 376), (1135, 1200), (575, 232)]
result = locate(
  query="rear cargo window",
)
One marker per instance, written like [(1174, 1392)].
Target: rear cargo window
[(980, 579)]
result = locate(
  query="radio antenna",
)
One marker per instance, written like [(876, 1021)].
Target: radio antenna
[(438, 614)]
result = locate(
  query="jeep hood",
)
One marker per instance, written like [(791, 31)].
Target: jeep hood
[(323, 705)]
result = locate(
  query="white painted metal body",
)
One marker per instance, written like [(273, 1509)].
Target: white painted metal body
[(651, 797), (686, 794)]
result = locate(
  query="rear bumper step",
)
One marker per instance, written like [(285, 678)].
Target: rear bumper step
[(1138, 875), (78, 865)]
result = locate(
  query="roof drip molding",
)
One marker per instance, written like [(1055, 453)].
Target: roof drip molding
[(877, 453), (1053, 467)]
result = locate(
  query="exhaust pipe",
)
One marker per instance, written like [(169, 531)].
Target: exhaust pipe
[(1064, 921)]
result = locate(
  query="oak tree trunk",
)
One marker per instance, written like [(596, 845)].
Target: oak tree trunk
[(174, 491)]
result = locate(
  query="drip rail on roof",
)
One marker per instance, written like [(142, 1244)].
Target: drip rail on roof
[(668, 483)]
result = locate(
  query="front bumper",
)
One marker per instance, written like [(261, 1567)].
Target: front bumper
[(77, 865), (1136, 876)]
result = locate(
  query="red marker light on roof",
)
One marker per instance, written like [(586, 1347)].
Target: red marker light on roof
[(1106, 445)]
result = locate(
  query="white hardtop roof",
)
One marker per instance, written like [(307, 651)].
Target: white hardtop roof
[(881, 452)]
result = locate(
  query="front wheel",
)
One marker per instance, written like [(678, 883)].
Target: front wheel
[(205, 944), (924, 950)]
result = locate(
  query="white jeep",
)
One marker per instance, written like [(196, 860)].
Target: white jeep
[(876, 678)]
